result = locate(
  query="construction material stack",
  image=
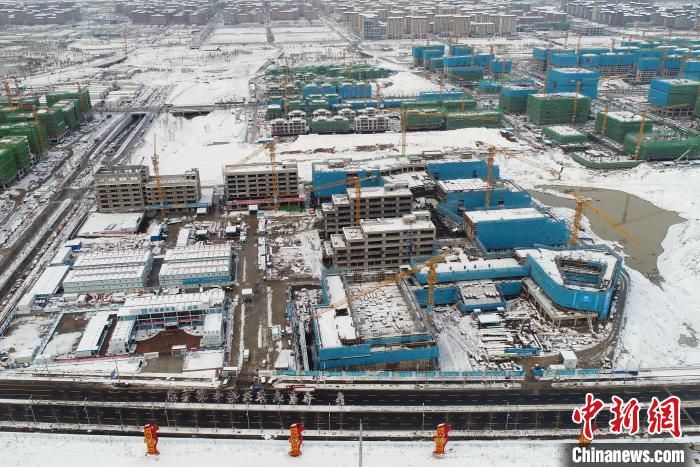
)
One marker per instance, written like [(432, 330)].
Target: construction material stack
[(549, 109)]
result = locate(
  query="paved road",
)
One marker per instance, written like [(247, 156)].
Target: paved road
[(92, 392)]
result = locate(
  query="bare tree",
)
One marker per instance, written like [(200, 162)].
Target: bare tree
[(248, 397), (293, 398), (340, 399), (232, 396), (200, 395), (186, 395), (260, 397), (308, 397), (278, 398), (218, 396)]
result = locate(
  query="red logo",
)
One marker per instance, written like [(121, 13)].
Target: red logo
[(662, 416)]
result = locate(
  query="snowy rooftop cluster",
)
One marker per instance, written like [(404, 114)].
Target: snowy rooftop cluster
[(383, 312)]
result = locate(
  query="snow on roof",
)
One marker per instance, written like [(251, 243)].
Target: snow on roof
[(462, 184), (107, 224), (494, 215), (547, 260), (122, 330), (625, 116), (330, 328), (207, 196), (61, 256), (90, 342), (49, 281), (203, 360), (578, 71), (106, 273), (379, 192), (462, 262), (183, 237), (184, 268), (263, 167), (104, 259), (213, 322), (199, 251), (384, 312), (136, 305), (419, 220), (564, 130), (413, 179)]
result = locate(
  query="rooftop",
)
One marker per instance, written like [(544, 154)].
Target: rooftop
[(49, 281), (103, 259), (462, 184), (111, 273), (199, 251), (185, 301), (263, 167), (384, 313), (495, 215), (379, 191), (208, 267), (90, 341)]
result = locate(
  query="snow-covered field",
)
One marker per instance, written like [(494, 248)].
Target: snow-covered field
[(405, 83), (206, 142), (28, 450)]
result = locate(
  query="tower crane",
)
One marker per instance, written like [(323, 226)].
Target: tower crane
[(429, 263), (489, 175), (156, 171), (8, 95), (640, 136), (39, 129), (404, 129), (356, 183), (581, 205), (273, 174)]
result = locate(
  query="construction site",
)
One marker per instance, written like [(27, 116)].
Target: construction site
[(304, 188)]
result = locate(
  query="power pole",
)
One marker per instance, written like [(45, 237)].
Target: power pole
[(359, 459)]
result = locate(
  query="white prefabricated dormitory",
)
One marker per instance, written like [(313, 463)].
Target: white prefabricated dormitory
[(107, 279), (195, 274), (105, 259), (122, 336), (94, 336)]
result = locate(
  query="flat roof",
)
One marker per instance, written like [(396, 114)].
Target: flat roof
[(90, 341), (49, 281), (199, 251), (213, 322), (105, 259), (263, 167), (460, 261), (215, 266), (413, 179), (379, 192), (178, 302), (100, 224), (106, 273), (462, 184), (419, 220), (494, 215), (122, 330)]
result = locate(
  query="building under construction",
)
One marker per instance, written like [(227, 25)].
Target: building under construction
[(259, 184), (353, 329), (129, 188), (381, 244)]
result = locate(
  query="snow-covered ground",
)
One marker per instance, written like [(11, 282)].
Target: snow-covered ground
[(661, 322), (206, 142), (405, 83)]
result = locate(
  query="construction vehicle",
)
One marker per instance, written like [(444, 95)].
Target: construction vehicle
[(581, 205), (429, 263)]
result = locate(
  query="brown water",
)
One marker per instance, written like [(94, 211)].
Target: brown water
[(641, 218)]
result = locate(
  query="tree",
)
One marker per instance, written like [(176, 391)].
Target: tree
[(340, 399), (293, 398), (218, 396), (260, 397), (278, 398), (186, 395), (200, 395), (248, 397), (232, 396), (308, 397)]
